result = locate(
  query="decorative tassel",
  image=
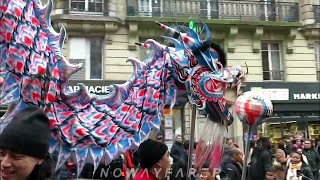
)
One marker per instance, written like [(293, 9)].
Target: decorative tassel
[(210, 146)]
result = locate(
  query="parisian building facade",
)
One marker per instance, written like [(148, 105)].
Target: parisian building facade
[(277, 40)]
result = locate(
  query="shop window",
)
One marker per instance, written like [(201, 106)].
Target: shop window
[(271, 61), (314, 130), (86, 5), (89, 52), (317, 58), (172, 124), (291, 123)]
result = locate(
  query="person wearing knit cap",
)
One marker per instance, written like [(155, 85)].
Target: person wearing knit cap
[(24, 146), (154, 160)]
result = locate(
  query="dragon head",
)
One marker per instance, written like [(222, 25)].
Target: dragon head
[(201, 65)]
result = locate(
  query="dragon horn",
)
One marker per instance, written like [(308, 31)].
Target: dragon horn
[(174, 41), (144, 45), (175, 33), (207, 31), (247, 68)]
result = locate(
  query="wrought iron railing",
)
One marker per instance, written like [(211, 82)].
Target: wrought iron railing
[(213, 9), (90, 7), (316, 9), (93, 6), (273, 75)]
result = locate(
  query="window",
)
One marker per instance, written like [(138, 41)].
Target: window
[(173, 123), (89, 52), (271, 62), (145, 7), (86, 5), (317, 58), (268, 10)]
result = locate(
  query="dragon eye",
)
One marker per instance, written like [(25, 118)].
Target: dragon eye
[(219, 65)]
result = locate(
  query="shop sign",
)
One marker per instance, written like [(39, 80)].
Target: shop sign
[(276, 94), (288, 92), (92, 89), (307, 96), (99, 87)]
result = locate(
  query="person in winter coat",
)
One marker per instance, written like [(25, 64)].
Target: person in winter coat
[(313, 158), (318, 145), (297, 144), (113, 171), (177, 151), (24, 147), (154, 160), (280, 158), (232, 166), (297, 169), (180, 169), (261, 160), (304, 158)]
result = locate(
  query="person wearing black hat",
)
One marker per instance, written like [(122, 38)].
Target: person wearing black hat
[(24, 145), (154, 160)]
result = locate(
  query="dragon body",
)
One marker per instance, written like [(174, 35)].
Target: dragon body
[(33, 71)]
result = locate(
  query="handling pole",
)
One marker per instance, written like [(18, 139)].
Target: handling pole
[(191, 144), (247, 150)]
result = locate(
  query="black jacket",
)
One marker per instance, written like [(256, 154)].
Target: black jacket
[(313, 159), (261, 163), (232, 169), (112, 171), (180, 170), (177, 152)]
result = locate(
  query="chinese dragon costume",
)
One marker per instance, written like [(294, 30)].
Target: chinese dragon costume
[(33, 71)]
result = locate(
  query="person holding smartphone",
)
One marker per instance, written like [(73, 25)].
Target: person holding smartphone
[(297, 169)]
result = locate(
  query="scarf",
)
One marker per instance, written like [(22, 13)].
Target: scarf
[(292, 171)]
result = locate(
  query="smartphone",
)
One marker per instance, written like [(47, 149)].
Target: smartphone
[(298, 173)]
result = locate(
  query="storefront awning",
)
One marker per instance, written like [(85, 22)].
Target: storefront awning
[(295, 119), (304, 107), (297, 116), (289, 96)]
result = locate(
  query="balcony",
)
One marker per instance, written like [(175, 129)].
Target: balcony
[(97, 8), (86, 16), (316, 9), (85, 6), (212, 9)]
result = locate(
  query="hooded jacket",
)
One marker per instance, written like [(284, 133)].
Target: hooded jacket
[(232, 169), (261, 163)]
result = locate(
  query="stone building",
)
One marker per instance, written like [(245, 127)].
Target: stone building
[(278, 40)]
